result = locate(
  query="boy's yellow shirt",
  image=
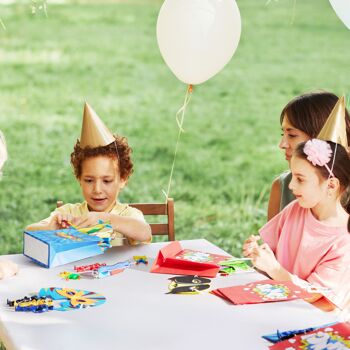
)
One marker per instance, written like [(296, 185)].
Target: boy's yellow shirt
[(79, 209)]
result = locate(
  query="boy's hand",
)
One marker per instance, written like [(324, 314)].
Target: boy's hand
[(264, 259), (249, 245), (60, 220), (91, 219)]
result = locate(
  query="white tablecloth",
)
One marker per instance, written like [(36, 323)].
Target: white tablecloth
[(138, 315)]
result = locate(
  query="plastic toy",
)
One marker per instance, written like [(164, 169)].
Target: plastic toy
[(140, 259), (69, 275), (91, 267), (110, 270), (35, 304)]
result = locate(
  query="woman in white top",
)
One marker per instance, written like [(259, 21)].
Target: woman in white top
[(7, 267)]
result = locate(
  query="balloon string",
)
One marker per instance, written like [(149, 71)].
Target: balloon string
[(294, 12), (180, 116)]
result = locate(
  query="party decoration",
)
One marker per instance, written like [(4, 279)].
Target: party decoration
[(334, 129), (69, 275), (34, 304), (198, 38), (57, 247), (94, 132), (188, 284), (262, 292), (70, 299), (140, 259), (52, 248), (280, 336), (235, 265), (328, 338), (110, 270), (342, 9), (172, 259), (90, 267)]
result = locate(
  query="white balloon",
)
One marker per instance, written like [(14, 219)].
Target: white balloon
[(342, 9), (197, 38)]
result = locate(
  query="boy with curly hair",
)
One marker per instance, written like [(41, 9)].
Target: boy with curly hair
[(102, 165)]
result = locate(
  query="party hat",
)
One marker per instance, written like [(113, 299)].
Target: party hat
[(93, 132), (335, 127)]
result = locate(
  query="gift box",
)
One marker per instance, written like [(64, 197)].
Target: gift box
[(52, 248), (174, 260)]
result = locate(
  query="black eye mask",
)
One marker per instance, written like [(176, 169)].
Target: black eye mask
[(188, 284), (190, 280)]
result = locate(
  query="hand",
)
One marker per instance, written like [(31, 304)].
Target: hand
[(60, 221), (7, 268), (249, 245), (91, 219), (264, 259)]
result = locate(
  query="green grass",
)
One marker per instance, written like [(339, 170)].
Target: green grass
[(107, 54)]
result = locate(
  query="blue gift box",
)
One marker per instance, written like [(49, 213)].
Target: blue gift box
[(52, 248)]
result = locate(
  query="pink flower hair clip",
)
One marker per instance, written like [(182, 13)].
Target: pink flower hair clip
[(319, 153)]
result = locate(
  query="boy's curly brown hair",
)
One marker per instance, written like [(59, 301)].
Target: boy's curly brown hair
[(123, 156)]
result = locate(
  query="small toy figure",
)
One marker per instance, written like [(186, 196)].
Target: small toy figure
[(110, 270), (91, 267), (140, 259), (233, 265), (34, 308), (35, 304), (69, 275)]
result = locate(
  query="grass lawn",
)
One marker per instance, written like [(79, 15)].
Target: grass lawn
[(107, 54)]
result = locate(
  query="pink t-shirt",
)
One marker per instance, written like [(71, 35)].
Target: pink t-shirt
[(308, 248)]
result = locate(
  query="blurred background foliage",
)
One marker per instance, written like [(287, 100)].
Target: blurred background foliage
[(105, 52)]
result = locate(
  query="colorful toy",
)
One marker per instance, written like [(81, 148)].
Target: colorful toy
[(280, 336), (70, 299), (91, 267), (34, 308), (69, 275), (332, 337), (140, 259), (110, 270), (233, 265), (35, 304)]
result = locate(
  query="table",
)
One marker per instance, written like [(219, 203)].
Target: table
[(138, 315)]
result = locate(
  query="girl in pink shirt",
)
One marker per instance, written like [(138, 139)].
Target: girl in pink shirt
[(309, 240)]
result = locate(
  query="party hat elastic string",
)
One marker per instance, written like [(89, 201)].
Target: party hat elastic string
[(180, 116)]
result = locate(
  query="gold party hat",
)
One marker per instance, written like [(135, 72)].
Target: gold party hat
[(93, 132), (335, 127)]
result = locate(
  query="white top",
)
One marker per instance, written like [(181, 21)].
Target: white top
[(138, 315)]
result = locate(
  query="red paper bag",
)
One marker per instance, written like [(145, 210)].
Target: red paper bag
[(336, 336), (174, 260), (262, 292)]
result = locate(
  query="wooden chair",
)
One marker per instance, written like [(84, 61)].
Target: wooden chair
[(165, 209)]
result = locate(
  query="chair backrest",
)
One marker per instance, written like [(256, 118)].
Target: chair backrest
[(165, 209)]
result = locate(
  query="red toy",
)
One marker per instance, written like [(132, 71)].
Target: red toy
[(91, 267)]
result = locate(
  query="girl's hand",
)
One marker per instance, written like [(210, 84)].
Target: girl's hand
[(249, 245), (60, 221), (264, 259), (7, 268), (91, 219)]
